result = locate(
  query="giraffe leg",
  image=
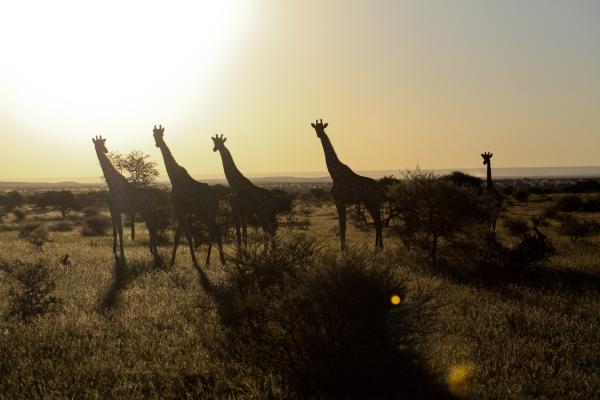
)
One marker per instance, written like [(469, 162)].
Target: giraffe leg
[(341, 210), (113, 218), (215, 232), (375, 212), (133, 226), (190, 238), (120, 232), (176, 244)]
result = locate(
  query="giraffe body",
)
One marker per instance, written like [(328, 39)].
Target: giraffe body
[(492, 192), (125, 198), (246, 199), (350, 188), (192, 201)]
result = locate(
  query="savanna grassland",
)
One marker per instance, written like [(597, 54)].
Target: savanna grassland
[(142, 329)]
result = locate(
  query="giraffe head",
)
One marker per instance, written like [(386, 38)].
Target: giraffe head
[(158, 135), (319, 127), (219, 142), (100, 144), (486, 157)]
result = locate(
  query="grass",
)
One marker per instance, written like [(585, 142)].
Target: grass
[(138, 330)]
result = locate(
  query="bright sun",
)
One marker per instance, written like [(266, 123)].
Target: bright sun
[(84, 62)]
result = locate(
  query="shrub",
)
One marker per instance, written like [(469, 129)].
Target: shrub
[(432, 209), (63, 226), (569, 203), (35, 233), (318, 320), (521, 195), (19, 215), (32, 294), (516, 227), (576, 229), (11, 200), (96, 225), (62, 200), (91, 211), (591, 205)]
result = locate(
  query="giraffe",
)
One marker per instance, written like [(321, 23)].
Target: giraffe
[(491, 191), (125, 198), (191, 200), (247, 199), (349, 187)]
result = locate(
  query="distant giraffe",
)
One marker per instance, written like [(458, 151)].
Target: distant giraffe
[(125, 198), (350, 188), (192, 200), (247, 199), (491, 191)]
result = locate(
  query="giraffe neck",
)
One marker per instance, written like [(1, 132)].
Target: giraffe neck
[(490, 184), (174, 170), (112, 176), (236, 180), (334, 165)]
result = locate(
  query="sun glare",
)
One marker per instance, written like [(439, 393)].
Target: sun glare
[(85, 62)]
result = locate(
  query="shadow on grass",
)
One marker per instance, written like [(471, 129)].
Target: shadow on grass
[(124, 273), (540, 276)]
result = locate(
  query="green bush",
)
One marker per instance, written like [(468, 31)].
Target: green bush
[(569, 203), (63, 226), (521, 195), (31, 295), (319, 320), (96, 225), (35, 233), (576, 229)]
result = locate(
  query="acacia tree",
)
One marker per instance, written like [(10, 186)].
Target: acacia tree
[(136, 166), (431, 208), (137, 169), (62, 200)]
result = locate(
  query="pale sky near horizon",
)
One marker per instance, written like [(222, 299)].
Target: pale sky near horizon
[(401, 83)]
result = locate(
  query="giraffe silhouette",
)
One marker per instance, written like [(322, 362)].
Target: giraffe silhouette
[(247, 199), (192, 200), (350, 188), (492, 192), (125, 198)]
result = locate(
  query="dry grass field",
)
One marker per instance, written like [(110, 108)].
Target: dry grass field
[(141, 329)]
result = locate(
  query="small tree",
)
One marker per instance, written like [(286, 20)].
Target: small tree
[(136, 166), (63, 201), (11, 200), (431, 209)]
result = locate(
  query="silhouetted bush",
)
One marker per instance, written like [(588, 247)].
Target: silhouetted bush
[(11, 200), (319, 320), (19, 215), (591, 205), (96, 225), (165, 220), (90, 211), (32, 294), (35, 233), (569, 203), (63, 226), (284, 200), (516, 227), (463, 180), (432, 209), (320, 194), (576, 229), (92, 198), (62, 200), (586, 186), (521, 195)]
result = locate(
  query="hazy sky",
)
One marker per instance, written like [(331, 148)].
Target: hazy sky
[(401, 83)]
